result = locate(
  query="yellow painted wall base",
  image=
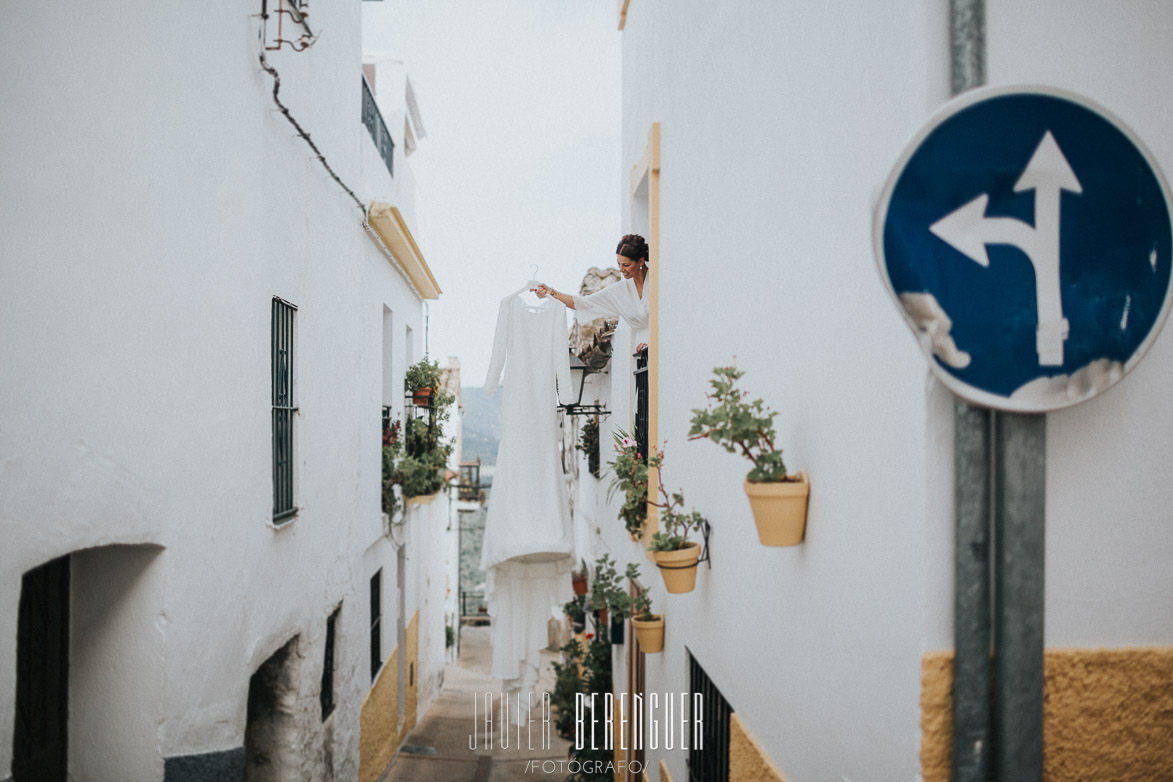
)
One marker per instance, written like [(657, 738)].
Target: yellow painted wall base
[(379, 732), (412, 641), (748, 761), (1108, 714)]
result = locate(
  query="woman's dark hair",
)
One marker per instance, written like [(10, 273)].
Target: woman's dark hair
[(633, 246)]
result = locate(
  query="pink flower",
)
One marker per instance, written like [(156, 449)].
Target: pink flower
[(627, 442)]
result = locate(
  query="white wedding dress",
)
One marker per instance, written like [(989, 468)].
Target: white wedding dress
[(528, 549)]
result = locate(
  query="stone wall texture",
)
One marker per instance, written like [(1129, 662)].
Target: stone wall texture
[(1108, 714)]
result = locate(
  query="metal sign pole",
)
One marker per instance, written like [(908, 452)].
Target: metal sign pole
[(1005, 451), (972, 491), (1020, 462)]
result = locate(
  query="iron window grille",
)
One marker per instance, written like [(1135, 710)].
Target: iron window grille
[(283, 408), (641, 400), (327, 696), (373, 119), (376, 623), (710, 763)]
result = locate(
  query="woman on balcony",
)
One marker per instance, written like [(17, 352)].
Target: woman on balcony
[(623, 299)]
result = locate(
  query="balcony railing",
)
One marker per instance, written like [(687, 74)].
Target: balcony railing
[(373, 119), (641, 400)]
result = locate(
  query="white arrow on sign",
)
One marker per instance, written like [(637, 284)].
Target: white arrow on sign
[(968, 230)]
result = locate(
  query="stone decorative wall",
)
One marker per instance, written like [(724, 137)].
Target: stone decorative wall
[(592, 341)]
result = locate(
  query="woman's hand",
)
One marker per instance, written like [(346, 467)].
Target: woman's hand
[(543, 290)]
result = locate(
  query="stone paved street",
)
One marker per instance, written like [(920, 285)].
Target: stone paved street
[(438, 748)]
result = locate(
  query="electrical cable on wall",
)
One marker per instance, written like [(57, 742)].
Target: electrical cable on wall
[(301, 132), (322, 159)]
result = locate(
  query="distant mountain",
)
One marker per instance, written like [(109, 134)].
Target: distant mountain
[(481, 427)]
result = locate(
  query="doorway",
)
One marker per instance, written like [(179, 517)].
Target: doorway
[(270, 734), (41, 738)]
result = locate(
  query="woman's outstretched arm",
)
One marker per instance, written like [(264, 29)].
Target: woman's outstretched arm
[(544, 290)]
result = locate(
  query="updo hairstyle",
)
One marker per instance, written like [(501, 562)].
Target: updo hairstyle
[(634, 247)]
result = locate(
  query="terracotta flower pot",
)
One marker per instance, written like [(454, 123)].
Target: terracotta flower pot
[(779, 510), (650, 633), (580, 585), (422, 396), (678, 568)]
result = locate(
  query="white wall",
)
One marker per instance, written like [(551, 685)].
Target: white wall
[(156, 202), (1109, 540), (778, 125)]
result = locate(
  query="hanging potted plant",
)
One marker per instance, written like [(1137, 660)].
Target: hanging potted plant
[(579, 580), (575, 611), (629, 472), (649, 627), (777, 500), (588, 443), (674, 554), (421, 380), (609, 598)]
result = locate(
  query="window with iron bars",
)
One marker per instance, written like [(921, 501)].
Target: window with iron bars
[(711, 763), (376, 623), (327, 694), (283, 409), (641, 400)]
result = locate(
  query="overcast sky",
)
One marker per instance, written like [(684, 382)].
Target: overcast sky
[(521, 103)]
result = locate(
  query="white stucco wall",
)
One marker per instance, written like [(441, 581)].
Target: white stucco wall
[(779, 126), (1109, 537), (155, 202)]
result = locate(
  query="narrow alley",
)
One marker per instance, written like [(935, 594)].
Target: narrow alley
[(437, 750)]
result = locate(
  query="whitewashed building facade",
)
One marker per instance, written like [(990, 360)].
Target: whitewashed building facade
[(756, 139), (200, 330)]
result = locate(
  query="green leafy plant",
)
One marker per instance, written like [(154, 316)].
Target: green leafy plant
[(568, 682), (392, 456), (425, 373), (629, 470), (641, 604), (415, 455), (596, 680), (740, 426), (575, 610), (608, 590), (588, 443), (675, 523)]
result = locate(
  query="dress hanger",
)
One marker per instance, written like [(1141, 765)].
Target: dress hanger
[(533, 281)]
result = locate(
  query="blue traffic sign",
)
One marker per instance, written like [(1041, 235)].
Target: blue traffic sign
[(1025, 235)]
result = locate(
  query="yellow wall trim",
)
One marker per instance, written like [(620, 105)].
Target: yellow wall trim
[(748, 761), (1108, 714), (379, 732), (412, 641), (423, 499), (649, 166), (391, 228)]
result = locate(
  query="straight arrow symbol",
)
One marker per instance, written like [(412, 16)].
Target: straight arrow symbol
[(968, 230)]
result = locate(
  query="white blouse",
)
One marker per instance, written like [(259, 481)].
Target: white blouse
[(619, 299)]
